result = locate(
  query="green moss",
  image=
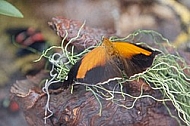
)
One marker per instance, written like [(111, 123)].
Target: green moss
[(167, 74), (169, 77)]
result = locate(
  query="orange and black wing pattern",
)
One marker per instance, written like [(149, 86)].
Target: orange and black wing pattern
[(109, 60)]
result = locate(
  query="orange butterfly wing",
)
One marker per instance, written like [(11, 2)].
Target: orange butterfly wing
[(95, 58), (110, 60), (128, 50)]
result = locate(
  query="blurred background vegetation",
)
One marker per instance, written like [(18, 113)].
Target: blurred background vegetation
[(171, 18)]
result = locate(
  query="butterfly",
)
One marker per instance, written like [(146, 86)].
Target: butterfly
[(109, 60)]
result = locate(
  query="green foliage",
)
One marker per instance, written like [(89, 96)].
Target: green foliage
[(9, 10)]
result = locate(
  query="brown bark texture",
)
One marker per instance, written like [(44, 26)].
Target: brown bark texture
[(81, 108)]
